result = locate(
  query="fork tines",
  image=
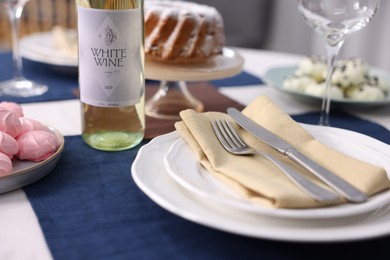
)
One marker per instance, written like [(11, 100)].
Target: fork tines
[(226, 134)]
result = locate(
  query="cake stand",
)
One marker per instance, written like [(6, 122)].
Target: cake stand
[(173, 95)]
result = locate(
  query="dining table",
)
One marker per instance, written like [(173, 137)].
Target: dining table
[(91, 207)]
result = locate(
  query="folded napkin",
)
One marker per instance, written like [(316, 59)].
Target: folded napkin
[(255, 177)]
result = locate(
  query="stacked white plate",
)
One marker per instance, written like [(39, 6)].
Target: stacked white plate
[(177, 182), (41, 47)]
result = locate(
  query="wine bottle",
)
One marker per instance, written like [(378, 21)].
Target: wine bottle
[(111, 72)]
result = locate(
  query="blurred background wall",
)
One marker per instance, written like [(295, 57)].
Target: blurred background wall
[(263, 24), (289, 33), (277, 25)]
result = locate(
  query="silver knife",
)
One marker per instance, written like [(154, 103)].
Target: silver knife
[(345, 189)]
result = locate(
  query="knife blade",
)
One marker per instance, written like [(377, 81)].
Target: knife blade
[(338, 184)]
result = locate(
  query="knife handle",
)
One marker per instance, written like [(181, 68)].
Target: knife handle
[(345, 189)]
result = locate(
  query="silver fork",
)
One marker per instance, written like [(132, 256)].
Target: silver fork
[(233, 143)]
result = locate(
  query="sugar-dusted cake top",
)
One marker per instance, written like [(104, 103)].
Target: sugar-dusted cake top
[(177, 30)]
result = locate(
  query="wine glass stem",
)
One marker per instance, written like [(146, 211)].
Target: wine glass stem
[(14, 14), (332, 51)]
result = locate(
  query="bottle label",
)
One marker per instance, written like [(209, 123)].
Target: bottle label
[(110, 56)]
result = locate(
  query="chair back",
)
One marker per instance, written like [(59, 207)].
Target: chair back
[(39, 16)]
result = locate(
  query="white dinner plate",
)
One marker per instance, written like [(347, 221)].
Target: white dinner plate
[(183, 167), (40, 47), (27, 172), (154, 181), (275, 77)]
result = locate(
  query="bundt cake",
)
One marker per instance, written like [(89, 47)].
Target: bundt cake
[(182, 31)]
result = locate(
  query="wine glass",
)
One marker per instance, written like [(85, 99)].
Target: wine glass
[(335, 20), (18, 85)]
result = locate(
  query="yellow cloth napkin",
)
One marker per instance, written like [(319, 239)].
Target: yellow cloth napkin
[(255, 177)]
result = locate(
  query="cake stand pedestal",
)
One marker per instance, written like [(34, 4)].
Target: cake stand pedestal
[(173, 95)]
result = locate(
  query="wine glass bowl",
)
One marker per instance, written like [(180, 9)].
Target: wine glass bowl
[(335, 20), (18, 86)]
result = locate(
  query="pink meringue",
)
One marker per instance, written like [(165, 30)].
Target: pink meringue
[(8, 145), (5, 165), (9, 122), (37, 145), (13, 107), (28, 124)]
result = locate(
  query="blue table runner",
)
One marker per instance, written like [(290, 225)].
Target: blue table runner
[(346, 121), (62, 84), (90, 208)]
